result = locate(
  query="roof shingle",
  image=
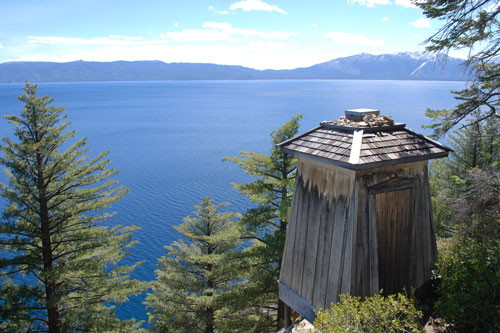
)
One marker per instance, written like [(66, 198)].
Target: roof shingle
[(386, 145)]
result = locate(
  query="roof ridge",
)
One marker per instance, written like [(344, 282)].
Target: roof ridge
[(356, 147)]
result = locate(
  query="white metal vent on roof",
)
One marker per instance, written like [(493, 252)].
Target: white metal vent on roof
[(358, 114)]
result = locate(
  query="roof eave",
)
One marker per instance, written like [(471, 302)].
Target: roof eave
[(297, 137), (365, 166), (437, 143)]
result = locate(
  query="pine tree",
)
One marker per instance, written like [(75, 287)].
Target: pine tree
[(60, 265), (472, 25), (465, 187), (194, 277), (474, 147), (265, 226)]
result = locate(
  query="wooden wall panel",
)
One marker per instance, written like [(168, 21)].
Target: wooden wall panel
[(365, 260), (356, 232)]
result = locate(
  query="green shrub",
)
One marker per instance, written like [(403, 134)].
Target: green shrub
[(469, 291), (395, 313), (469, 264)]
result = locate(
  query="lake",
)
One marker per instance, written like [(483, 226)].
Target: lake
[(168, 138)]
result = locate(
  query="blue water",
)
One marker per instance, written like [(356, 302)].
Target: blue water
[(168, 138)]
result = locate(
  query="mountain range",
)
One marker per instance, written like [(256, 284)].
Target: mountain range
[(400, 66)]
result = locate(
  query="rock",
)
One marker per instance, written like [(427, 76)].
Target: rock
[(369, 120)]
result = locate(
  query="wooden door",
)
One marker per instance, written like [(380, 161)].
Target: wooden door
[(395, 222)]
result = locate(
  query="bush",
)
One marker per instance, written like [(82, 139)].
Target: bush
[(469, 264), (395, 313), (469, 292)]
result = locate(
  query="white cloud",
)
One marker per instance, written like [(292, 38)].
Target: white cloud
[(218, 25), (121, 37), (249, 50), (385, 19), (263, 46), (198, 35), (421, 23), (1, 46), (345, 38), (314, 25), (369, 3), (259, 54), (221, 31), (176, 24), (110, 40), (373, 3), (406, 3), (220, 12), (248, 5)]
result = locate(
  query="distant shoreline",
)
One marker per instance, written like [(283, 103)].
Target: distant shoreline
[(224, 80), (401, 66)]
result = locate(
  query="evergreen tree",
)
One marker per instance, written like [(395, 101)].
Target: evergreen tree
[(474, 147), (472, 25), (195, 275), (469, 260), (256, 297), (52, 230)]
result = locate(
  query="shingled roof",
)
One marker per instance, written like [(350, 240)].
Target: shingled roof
[(365, 144)]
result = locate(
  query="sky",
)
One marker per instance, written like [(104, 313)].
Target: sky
[(270, 34)]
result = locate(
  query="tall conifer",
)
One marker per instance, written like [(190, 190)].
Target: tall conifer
[(265, 226), (194, 277), (465, 188), (59, 264), (474, 147), (471, 25)]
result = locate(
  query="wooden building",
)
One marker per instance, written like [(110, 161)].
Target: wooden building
[(361, 217)]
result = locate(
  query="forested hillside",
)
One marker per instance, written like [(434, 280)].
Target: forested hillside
[(401, 66)]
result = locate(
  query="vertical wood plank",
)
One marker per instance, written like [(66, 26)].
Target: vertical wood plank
[(373, 238), (380, 218), (294, 251), (287, 261), (345, 285), (359, 249), (320, 267), (311, 246), (334, 270), (413, 268), (326, 260), (300, 241)]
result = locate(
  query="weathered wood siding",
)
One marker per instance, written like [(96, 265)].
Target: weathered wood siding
[(318, 249), (358, 232), (395, 241)]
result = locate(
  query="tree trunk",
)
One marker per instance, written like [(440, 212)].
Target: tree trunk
[(48, 261), (210, 324), (288, 321), (281, 314), (283, 226)]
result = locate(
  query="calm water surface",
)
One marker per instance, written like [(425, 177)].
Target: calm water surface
[(168, 138)]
